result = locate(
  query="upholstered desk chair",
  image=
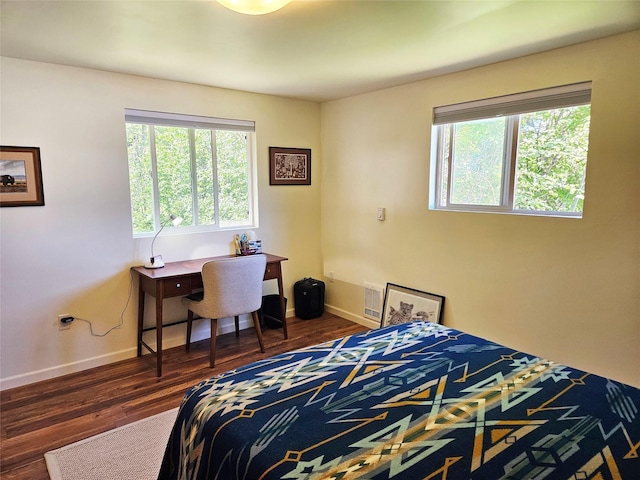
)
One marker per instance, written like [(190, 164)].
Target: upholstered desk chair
[(231, 287)]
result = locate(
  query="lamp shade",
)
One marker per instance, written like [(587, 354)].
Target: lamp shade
[(254, 7)]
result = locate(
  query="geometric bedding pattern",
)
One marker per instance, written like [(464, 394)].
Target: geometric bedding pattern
[(410, 401)]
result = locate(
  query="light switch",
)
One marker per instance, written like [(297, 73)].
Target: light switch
[(380, 214)]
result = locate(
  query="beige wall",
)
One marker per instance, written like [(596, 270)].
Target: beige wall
[(565, 289), (73, 254)]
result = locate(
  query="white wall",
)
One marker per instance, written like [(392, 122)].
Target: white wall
[(73, 254), (565, 289)]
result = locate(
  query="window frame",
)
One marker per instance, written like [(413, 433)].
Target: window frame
[(193, 122), (509, 107)]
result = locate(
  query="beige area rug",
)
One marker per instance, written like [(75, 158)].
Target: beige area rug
[(130, 452)]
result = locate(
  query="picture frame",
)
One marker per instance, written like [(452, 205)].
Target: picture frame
[(404, 304), (289, 166), (21, 177)]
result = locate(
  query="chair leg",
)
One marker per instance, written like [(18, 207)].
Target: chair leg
[(237, 320), (212, 348), (256, 323), (189, 322)]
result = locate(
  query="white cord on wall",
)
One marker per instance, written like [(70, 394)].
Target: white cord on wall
[(121, 315)]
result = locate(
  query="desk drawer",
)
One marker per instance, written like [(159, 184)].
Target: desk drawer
[(175, 287), (272, 271), (196, 282)]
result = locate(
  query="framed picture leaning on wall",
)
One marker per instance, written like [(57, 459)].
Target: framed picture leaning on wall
[(404, 304)]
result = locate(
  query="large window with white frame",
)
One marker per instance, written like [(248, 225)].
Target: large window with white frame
[(198, 168), (524, 153)]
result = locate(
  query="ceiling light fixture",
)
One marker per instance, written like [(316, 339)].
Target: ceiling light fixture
[(254, 7)]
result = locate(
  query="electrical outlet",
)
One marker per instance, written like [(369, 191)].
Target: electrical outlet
[(64, 325), (331, 276)]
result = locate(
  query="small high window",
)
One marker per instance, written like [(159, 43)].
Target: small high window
[(198, 168), (524, 153)]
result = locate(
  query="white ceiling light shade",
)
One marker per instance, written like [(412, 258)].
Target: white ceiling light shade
[(254, 7)]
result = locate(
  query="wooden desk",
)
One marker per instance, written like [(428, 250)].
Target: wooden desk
[(177, 279)]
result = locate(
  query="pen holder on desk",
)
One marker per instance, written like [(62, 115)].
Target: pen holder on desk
[(247, 247)]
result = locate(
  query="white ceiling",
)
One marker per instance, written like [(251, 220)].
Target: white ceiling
[(310, 49)]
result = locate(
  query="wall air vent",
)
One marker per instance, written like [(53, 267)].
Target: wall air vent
[(373, 301)]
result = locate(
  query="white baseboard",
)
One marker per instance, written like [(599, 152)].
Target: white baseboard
[(66, 369), (351, 317), (172, 337), (169, 340)]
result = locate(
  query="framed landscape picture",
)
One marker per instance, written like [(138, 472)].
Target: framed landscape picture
[(21, 177), (289, 166), (404, 304)]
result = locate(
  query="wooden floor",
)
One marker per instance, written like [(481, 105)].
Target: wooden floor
[(43, 416)]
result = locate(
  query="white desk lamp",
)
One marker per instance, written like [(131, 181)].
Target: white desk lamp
[(155, 261)]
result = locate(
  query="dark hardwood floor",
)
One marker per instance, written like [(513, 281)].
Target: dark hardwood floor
[(46, 415)]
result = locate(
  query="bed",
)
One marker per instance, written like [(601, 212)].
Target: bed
[(410, 401)]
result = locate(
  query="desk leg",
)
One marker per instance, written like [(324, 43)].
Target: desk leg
[(282, 307), (140, 317), (159, 334)]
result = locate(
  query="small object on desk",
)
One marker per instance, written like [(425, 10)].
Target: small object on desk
[(245, 246), (155, 262)]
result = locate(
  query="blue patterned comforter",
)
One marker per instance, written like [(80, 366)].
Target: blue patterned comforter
[(410, 401)]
